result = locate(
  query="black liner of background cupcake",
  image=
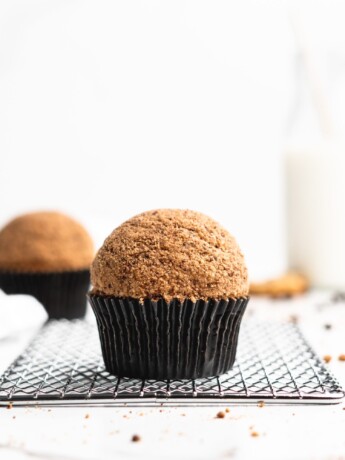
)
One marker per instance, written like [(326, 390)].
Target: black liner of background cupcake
[(61, 293)]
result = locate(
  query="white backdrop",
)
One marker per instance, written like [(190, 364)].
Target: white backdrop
[(109, 108)]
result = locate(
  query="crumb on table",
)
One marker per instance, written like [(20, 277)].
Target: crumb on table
[(227, 410), (261, 404), (254, 434), (327, 358), (294, 319), (87, 416), (341, 357), (220, 414), (136, 438)]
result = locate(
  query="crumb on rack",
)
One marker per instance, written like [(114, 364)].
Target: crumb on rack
[(10, 405), (136, 438), (220, 414), (261, 404), (327, 358), (341, 357)]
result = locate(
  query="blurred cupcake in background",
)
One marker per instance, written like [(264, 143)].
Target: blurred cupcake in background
[(169, 291), (47, 255)]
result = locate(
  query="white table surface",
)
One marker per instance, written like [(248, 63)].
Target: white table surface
[(284, 432)]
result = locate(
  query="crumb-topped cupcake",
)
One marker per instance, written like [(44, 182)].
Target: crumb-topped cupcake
[(47, 255), (169, 291)]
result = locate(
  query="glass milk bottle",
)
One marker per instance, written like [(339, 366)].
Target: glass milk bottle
[(315, 180), (315, 167)]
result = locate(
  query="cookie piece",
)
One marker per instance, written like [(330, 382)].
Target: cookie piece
[(288, 285)]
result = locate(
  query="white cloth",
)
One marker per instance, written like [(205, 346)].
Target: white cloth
[(19, 313)]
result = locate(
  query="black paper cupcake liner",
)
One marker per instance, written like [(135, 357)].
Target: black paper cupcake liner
[(63, 294), (168, 340)]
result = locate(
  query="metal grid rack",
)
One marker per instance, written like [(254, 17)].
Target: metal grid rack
[(64, 366)]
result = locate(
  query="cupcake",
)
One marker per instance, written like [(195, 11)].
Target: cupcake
[(47, 255), (169, 291)]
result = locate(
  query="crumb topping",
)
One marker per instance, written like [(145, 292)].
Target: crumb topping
[(43, 242), (170, 253)]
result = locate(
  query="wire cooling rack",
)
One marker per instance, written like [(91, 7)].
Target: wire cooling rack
[(64, 366)]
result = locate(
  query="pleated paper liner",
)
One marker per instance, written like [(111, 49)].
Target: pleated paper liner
[(63, 294), (168, 340)]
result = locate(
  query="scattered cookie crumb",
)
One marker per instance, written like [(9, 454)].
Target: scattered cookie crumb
[(341, 357), (49, 410), (10, 405), (141, 414), (294, 319), (220, 414), (227, 410), (261, 404), (338, 297), (87, 416), (327, 358), (254, 434), (14, 417), (136, 438), (327, 326), (183, 415)]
